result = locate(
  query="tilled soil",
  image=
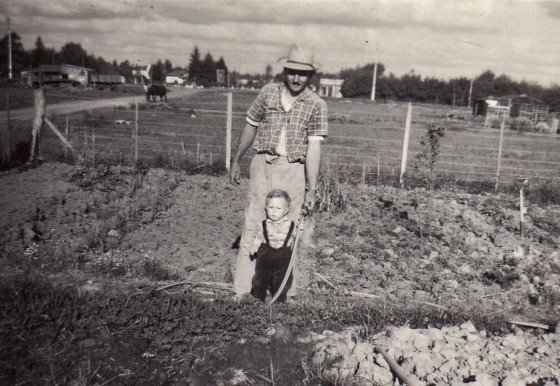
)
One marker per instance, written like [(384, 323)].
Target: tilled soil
[(87, 251)]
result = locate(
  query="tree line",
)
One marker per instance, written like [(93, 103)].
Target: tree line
[(455, 92), (357, 81), (202, 71)]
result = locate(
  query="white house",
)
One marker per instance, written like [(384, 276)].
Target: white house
[(330, 87), (177, 77)]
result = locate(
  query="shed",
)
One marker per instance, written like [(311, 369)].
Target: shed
[(517, 106), (524, 106)]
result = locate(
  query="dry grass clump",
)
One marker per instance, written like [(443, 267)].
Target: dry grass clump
[(331, 194)]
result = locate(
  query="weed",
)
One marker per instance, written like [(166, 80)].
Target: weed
[(331, 196)]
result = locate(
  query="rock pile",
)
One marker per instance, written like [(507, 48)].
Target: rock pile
[(448, 356)]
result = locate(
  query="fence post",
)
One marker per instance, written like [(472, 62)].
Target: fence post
[(93, 146), (135, 134), (521, 183), (500, 151), (378, 170), (228, 129), (66, 136), (38, 120), (405, 143)]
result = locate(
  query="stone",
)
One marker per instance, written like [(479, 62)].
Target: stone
[(485, 380), (512, 380), (468, 327), (514, 342)]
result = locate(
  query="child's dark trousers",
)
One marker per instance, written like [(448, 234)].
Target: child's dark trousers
[(272, 265)]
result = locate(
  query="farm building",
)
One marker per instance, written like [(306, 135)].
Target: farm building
[(177, 77), (330, 87), (142, 73), (58, 74), (514, 106)]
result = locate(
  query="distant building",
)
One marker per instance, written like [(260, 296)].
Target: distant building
[(330, 87), (513, 106), (58, 74), (177, 77)]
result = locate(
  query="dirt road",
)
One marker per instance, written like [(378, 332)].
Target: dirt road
[(72, 107)]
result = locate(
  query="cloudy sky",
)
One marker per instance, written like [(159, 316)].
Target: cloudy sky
[(435, 38)]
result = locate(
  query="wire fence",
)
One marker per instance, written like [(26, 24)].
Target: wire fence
[(365, 140)]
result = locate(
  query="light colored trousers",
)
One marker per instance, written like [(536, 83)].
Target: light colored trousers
[(267, 173)]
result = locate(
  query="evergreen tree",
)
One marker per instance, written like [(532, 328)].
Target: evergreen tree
[(195, 65), (19, 56), (158, 72), (168, 66), (208, 76), (221, 65), (40, 54)]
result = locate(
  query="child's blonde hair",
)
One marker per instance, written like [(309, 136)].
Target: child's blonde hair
[(277, 193)]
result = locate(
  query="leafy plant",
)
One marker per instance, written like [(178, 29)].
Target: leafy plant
[(431, 143)]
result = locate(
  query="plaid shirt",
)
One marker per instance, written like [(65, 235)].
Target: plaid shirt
[(307, 117)]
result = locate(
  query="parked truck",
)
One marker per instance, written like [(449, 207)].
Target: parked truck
[(99, 79)]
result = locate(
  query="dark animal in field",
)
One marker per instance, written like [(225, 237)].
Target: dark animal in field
[(156, 90)]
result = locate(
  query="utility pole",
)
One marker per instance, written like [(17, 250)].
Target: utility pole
[(9, 48), (375, 71), (453, 93), (470, 93)]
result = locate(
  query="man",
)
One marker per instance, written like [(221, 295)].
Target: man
[(287, 122)]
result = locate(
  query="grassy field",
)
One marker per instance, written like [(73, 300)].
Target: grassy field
[(365, 141)]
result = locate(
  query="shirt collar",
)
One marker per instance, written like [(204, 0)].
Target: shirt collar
[(282, 220), (301, 96)]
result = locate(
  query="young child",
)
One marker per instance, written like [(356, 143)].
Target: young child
[(273, 248)]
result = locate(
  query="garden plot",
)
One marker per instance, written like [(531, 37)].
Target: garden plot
[(87, 251)]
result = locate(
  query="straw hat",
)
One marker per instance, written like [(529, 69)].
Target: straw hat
[(299, 59)]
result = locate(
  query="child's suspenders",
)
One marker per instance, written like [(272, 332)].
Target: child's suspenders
[(265, 233)]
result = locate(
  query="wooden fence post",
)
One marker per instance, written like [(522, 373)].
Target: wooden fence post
[(228, 129), (38, 120), (500, 151), (405, 143)]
